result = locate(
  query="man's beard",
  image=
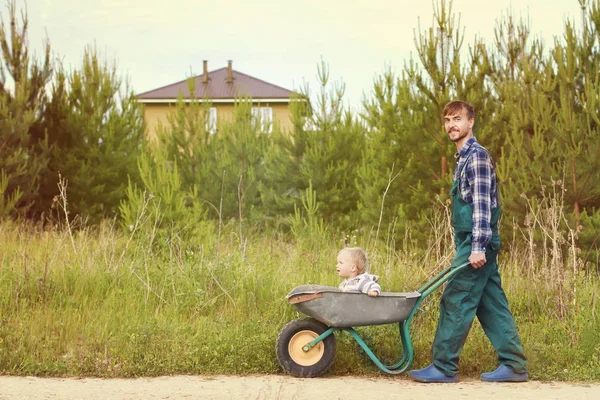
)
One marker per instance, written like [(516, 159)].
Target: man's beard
[(460, 136)]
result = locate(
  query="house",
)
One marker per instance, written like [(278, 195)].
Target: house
[(221, 88)]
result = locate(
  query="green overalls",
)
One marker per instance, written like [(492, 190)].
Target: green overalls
[(475, 292)]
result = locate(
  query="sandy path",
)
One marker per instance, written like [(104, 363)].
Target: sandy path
[(283, 387)]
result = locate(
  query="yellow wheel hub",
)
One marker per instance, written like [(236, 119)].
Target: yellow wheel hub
[(298, 355)]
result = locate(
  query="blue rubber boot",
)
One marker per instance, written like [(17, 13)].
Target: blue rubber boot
[(431, 374), (504, 374)]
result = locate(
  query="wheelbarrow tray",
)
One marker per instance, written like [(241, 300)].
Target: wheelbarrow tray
[(339, 309)]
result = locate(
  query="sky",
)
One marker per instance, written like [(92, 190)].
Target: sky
[(158, 42)]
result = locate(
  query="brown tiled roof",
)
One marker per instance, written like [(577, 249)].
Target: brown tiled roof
[(219, 88)]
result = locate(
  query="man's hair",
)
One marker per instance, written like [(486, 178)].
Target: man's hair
[(455, 106), (359, 258)]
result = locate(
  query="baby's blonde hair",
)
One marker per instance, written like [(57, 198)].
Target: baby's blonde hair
[(359, 258)]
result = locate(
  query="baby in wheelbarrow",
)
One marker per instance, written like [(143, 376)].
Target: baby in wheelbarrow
[(352, 266)]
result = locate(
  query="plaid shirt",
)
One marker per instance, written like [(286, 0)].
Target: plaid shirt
[(478, 188)]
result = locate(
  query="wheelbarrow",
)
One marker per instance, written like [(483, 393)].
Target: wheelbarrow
[(306, 347)]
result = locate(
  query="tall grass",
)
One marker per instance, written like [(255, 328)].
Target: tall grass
[(101, 302)]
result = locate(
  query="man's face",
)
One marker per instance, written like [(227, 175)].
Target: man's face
[(345, 266), (458, 125)]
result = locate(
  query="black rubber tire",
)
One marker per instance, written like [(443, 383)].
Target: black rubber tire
[(306, 327)]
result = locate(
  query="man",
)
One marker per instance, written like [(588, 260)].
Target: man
[(477, 290)]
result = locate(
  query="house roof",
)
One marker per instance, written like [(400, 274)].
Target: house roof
[(218, 88)]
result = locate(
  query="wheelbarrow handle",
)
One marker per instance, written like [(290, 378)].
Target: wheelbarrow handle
[(441, 278), (432, 286)]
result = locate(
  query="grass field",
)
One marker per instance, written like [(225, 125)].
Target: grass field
[(101, 302)]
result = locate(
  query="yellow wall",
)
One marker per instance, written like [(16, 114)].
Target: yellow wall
[(154, 113), (281, 113)]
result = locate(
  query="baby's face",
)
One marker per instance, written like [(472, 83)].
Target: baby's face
[(345, 267)]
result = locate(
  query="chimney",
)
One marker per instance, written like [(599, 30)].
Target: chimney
[(205, 72), (229, 72)]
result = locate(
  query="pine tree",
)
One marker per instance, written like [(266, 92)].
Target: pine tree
[(222, 167), (522, 86), (407, 138), (392, 156), (97, 128), (160, 204), (577, 126), (23, 154), (241, 145), (185, 136), (281, 187), (554, 121), (324, 149), (550, 105)]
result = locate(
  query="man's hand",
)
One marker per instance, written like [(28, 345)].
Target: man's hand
[(477, 260), (373, 293)]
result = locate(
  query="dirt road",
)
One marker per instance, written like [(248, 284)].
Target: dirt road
[(283, 387)]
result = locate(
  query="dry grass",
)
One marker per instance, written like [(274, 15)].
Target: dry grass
[(101, 302)]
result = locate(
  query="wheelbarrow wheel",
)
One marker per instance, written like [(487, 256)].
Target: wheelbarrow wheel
[(289, 348)]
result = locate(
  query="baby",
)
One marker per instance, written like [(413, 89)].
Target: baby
[(352, 266)]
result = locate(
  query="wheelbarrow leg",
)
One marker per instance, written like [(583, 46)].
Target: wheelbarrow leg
[(404, 338), (401, 367)]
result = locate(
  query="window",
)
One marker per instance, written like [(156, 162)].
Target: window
[(262, 117), (211, 120)]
